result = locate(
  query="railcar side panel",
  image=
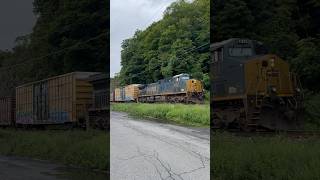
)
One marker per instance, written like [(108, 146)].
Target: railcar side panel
[(112, 97), (60, 100), (57, 100), (7, 111), (99, 111), (119, 94), (24, 104), (131, 92), (83, 96)]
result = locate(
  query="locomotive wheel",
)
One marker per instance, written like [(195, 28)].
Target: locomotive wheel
[(217, 123), (227, 120)]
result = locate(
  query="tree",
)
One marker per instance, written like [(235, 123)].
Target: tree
[(284, 26), (169, 46), (69, 35), (307, 63)]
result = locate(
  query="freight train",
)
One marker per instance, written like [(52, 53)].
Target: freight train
[(252, 90), (177, 89), (62, 100)]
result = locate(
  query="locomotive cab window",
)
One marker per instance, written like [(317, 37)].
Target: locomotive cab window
[(240, 51)]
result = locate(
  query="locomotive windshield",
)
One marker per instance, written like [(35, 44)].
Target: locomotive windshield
[(185, 77), (240, 51), (261, 49), (181, 77)]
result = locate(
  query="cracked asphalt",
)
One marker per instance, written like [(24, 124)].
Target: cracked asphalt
[(145, 150)]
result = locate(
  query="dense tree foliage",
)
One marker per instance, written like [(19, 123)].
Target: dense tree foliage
[(69, 35), (290, 28), (176, 44)]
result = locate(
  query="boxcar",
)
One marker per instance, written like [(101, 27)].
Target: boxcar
[(119, 94), (7, 111), (57, 100), (131, 92), (99, 112)]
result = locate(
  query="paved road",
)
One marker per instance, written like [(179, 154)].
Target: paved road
[(145, 150), (13, 168)]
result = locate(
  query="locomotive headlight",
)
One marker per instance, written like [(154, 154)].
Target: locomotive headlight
[(274, 89), (298, 90), (272, 62)]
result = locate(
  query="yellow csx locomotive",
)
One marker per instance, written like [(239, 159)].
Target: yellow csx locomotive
[(177, 89), (252, 90)]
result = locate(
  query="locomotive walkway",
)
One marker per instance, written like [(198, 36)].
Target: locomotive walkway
[(12, 168), (147, 150)]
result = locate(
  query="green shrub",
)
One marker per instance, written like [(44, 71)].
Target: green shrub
[(312, 111), (191, 115)]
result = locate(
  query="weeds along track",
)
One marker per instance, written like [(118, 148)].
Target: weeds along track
[(264, 133)]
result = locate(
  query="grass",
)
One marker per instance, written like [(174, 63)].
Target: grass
[(78, 148), (312, 111), (264, 158), (189, 115)]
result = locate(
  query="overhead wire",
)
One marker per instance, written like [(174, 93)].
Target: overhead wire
[(156, 13), (55, 52)]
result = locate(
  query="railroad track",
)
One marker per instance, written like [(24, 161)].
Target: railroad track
[(288, 133)]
